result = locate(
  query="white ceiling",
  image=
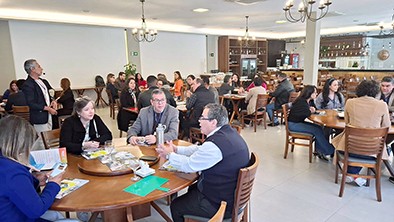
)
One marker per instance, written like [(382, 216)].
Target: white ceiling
[(225, 17)]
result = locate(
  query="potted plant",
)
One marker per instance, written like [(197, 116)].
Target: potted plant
[(130, 69)]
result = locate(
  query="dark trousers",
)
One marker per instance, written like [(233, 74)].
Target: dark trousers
[(193, 203)]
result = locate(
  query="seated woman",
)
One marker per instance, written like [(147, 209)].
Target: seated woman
[(84, 129), (140, 81), (364, 111), (66, 98), (111, 88), (252, 95), (128, 99), (19, 196), (178, 84), (236, 82), (302, 108), (330, 98), (13, 89)]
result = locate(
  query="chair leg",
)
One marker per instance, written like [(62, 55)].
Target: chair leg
[(292, 145), (377, 183), (265, 120), (368, 173), (242, 121), (255, 124), (286, 148), (120, 133), (336, 170), (344, 170), (310, 151)]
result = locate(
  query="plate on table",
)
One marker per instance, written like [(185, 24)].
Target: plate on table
[(341, 114), (178, 103)]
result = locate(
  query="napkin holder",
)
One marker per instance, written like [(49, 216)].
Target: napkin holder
[(144, 171)]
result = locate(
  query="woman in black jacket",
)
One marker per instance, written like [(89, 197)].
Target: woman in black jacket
[(66, 98), (128, 99), (301, 109), (84, 129)]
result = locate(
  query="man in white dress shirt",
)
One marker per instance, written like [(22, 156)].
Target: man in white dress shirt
[(218, 161)]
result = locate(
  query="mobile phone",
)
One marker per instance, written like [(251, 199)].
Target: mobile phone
[(148, 158), (59, 168)]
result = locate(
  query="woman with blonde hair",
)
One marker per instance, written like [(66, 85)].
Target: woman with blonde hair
[(19, 199)]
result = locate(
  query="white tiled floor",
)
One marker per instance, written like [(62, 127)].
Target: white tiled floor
[(292, 189)]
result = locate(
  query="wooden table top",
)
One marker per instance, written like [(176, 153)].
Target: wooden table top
[(103, 193), (331, 119)]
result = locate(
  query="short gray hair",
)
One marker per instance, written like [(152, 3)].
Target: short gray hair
[(218, 112), (17, 136), (80, 103), (29, 64), (157, 92)]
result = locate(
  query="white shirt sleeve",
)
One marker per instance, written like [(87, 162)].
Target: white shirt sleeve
[(196, 158)]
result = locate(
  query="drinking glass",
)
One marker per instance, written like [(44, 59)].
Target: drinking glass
[(134, 164), (109, 148)]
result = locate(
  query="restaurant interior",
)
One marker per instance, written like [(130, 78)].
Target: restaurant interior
[(350, 40)]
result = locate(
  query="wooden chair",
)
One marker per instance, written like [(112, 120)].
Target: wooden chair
[(112, 105), (236, 127), (195, 135), (259, 114), (362, 141), (22, 111), (61, 119), (218, 217), (279, 112), (51, 138), (243, 191), (291, 136)]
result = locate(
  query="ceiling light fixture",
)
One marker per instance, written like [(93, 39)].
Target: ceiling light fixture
[(247, 40), (305, 9), (200, 10), (144, 34), (391, 32)]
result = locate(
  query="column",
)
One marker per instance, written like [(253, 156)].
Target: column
[(312, 48)]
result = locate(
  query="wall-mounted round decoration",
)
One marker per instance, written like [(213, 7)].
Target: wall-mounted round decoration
[(383, 54)]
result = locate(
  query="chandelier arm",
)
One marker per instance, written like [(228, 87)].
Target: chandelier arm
[(292, 19)]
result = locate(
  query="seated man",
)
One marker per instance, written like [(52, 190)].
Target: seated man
[(219, 160), (150, 117), (195, 104), (386, 92), (281, 95), (144, 97)]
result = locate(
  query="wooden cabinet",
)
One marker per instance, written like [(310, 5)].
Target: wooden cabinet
[(232, 52)]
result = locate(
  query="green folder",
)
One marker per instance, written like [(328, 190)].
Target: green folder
[(147, 185)]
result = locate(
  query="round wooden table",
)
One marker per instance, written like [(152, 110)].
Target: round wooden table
[(105, 193), (332, 120), (235, 100)]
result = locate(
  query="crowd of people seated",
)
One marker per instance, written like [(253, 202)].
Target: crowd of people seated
[(153, 101)]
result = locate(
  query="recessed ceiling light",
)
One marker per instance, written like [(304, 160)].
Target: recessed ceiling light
[(280, 21), (200, 10)]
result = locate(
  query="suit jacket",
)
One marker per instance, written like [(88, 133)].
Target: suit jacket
[(365, 112), (144, 124), (72, 133), (16, 99), (251, 98), (35, 100), (391, 100)]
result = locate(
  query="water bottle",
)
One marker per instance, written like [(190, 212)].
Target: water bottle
[(160, 134)]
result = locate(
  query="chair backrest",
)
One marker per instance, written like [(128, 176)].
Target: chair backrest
[(195, 135), (110, 98), (262, 101), (22, 111), (365, 141), (218, 217), (293, 96), (244, 185), (236, 127), (286, 111), (51, 138)]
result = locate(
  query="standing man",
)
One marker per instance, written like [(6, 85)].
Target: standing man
[(36, 90), (148, 119), (386, 92), (281, 95), (120, 82), (219, 160)]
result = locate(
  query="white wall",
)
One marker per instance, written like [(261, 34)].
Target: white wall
[(74, 51), (7, 73), (174, 51)]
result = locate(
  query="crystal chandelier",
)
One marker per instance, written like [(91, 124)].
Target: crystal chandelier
[(144, 34), (247, 40), (305, 10)]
